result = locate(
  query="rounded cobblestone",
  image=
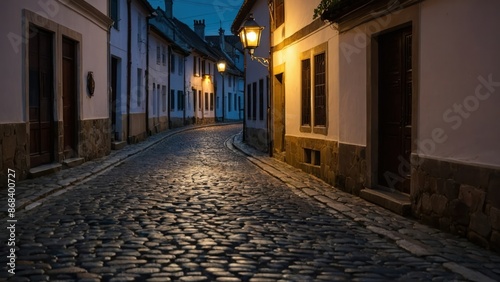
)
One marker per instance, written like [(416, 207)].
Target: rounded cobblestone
[(191, 209)]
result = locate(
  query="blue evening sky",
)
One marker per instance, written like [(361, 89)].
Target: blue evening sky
[(214, 13)]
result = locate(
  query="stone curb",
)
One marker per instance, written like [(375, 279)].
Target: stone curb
[(106, 162)]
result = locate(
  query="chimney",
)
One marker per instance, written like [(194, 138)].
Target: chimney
[(222, 39), (169, 10), (199, 28)]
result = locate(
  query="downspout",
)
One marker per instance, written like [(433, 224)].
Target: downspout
[(270, 112), (184, 86), (129, 64), (148, 133), (244, 97), (169, 97)]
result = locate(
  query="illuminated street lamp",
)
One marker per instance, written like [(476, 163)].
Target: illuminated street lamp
[(250, 33), (221, 67)]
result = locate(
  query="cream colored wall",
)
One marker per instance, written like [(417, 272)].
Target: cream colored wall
[(460, 81), (298, 13), (93, 49), (355, 59), (290, 56)]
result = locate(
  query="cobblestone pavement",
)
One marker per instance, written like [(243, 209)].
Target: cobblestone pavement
[(192, 208)]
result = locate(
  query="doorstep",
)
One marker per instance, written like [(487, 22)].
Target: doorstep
[(44, 170), (392, 200), (118, 145), (69, 163)]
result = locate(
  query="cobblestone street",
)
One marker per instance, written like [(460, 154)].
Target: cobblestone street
[(193, 208)]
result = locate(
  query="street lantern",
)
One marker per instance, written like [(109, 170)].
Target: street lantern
[(221, 67), (250, 33)]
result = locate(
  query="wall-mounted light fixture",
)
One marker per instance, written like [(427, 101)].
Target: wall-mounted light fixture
[(250, 33)]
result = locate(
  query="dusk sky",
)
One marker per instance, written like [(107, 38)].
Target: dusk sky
[(214, 13)]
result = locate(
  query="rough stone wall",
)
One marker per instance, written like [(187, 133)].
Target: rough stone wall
[(95, 138), (352, 173), (328, 168), (14, 151), (257, 138), (463, 199)]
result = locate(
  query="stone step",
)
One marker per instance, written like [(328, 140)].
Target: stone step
[(44, 170), (69, 163), (392, 200), (118, 145)]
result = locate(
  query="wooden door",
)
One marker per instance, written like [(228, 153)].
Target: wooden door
[(279, 114), (113, 104), (70, 112), (395, 92), (41, 97)]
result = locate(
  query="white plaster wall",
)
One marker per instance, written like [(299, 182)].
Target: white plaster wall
[(177, 84), (460, 47), (94, 57), (290, 56), (158, 76), (138, 49)]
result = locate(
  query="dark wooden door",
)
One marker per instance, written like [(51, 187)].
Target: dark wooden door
[(114, 89), (70, 112), (41, 97), (395, 91), (278, 142)]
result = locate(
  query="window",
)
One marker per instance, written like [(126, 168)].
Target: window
[(206, 101), (211, 101), (154, 96), (199, 100), (195, 67), (172, 100), (181, 65), (235, 102), (158, 55), (229, 101), (319, 90), (279, 12), (261, 99), (139, 87), (172, 63), (306, 92), (139, 32), (180, 100), (164, 97), (203, 67), (164, 55), (114, 12), (230, 81), (249, 101), (313, 90), (254, 101)]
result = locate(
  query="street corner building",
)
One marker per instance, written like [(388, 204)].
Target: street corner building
[(394, 101), (55, 109)]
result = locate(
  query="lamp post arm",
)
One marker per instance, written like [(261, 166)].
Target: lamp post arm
[(261, 60)]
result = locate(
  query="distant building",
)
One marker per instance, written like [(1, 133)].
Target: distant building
[(257, 85)]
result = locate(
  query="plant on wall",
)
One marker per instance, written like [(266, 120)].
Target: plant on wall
[(323, 6)]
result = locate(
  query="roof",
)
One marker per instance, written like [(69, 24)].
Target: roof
[(245, 9), (165, 27), (193, 39)]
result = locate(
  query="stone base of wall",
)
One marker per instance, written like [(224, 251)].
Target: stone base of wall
[(205, 120), (352, 174), (95, 138), (13, 151), (460, 198), (257, 138), (328, 167)]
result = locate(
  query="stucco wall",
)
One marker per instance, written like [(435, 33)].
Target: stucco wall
[(460, 81)]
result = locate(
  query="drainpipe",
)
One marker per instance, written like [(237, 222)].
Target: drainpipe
[(169, 85), (148, 133), (184, 87), (129, 64)]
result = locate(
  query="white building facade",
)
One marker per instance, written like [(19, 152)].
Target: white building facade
[(55, 70)]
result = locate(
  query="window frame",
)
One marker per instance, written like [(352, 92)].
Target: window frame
[(311, 55)]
